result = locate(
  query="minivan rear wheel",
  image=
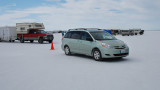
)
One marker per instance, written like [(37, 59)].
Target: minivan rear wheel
[(67, 50), (97, 55)]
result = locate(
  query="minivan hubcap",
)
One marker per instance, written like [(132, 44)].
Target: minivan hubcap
[(96, 55), (67, 50)]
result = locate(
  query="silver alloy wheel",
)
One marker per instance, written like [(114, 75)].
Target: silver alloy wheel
[(67, 50), (97, 55)]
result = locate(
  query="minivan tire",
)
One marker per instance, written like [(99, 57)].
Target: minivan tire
[(97, 55), (67, 50)]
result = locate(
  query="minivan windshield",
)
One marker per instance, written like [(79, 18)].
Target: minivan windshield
[(102, 35)]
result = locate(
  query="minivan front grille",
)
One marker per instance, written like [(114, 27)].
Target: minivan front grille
[(119, 47)]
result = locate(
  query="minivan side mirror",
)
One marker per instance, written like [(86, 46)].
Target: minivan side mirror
[(89, 39)]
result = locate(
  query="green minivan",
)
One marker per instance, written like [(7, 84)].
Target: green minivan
[(93, 42)]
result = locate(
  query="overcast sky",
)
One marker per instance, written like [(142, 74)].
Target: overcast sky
[(66, 14)]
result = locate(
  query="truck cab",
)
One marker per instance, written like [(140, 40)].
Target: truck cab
[(31, 32)]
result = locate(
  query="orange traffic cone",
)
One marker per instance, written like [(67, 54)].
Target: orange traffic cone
[(52, 47)]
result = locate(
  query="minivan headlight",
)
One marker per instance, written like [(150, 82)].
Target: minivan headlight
[(106, 45)]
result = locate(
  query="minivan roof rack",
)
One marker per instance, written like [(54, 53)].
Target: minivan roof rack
[(87, 29)]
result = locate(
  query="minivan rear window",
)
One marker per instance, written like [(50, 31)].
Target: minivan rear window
[(76, 35), (67, 35), (85, 35)]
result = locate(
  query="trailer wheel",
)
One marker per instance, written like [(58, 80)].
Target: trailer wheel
[(40, 40), (11, 40), (21, 40), (31, 41)]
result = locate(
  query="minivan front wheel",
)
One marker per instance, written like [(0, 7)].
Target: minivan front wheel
[(67, 50), (97, 55)]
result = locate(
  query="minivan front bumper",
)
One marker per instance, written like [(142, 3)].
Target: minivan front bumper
[(113, 53)]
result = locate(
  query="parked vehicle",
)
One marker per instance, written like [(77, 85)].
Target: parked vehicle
[(126, 32), (141, 32), (8, 34), (31, 32), (109, 31), (96, 43), (115, 31), (137, 31), (131, 32)]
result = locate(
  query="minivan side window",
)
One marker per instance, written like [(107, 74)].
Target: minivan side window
[(85, 35), (76, 35), (67, 35)]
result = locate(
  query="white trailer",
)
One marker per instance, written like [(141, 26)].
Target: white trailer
[(8, 33)]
